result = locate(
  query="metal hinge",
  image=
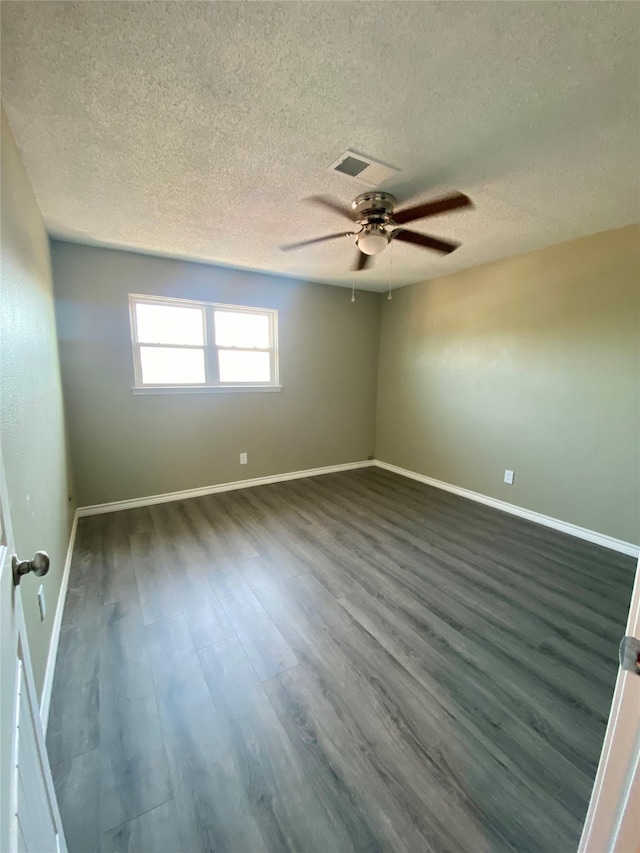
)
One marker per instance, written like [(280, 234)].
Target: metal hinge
[(630, 655)]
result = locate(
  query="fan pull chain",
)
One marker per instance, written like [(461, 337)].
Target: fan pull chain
[(389, 296)]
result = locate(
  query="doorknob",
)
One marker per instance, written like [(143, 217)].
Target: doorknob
[(39, 566)]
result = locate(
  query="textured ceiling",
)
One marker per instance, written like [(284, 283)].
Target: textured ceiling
[(197, 129)]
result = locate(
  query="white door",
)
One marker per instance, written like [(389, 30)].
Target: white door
[(613, 819), (29, 816)]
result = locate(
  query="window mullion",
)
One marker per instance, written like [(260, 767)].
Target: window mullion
[(246, 349), (171, 346), (213, 371)]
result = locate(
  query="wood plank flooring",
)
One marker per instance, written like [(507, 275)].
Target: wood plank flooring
[(351, 662)]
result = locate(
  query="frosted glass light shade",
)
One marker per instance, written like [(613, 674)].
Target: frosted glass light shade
[(373, 242)]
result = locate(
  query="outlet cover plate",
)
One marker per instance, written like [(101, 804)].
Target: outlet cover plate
[(508, 476), (243, 458)]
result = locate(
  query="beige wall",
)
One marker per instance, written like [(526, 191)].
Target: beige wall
[(529, 363), (32, 433), (126, 446)]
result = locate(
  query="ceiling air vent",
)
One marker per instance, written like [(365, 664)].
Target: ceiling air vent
[(362, 169)]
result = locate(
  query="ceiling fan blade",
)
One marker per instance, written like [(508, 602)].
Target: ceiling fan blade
[(362, 261), (289, 246), (430, 208), (425, 241), (323, 201)]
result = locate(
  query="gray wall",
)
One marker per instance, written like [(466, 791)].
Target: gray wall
[(32, 435), (128, 446), (529, 363)]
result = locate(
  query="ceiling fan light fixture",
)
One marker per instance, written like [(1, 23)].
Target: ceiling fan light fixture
[(377, 221), (373, 240)]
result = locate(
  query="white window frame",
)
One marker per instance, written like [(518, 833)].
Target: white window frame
[(212, 381)]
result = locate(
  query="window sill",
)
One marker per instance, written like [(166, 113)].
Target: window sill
[(204, 389)]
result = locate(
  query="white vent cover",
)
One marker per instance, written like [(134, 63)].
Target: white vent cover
[(362, 169)]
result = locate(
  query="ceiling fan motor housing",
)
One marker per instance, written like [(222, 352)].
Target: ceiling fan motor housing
[(374, 207)]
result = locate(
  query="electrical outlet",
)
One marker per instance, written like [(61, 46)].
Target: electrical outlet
[(508, 476), (42, 604), (243, 458)]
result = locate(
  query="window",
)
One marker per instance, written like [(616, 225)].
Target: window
[(179, 345)]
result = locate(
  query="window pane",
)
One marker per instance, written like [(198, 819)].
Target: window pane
[(235, 329), (237, 366), (168, 324), (171, 366)]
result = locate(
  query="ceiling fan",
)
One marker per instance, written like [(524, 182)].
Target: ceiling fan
[(380, 223)]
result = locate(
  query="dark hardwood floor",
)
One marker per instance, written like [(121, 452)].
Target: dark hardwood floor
[(350, 662)]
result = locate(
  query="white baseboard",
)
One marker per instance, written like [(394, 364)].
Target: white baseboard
[(45, 699), (546, 520), (97, 509)]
